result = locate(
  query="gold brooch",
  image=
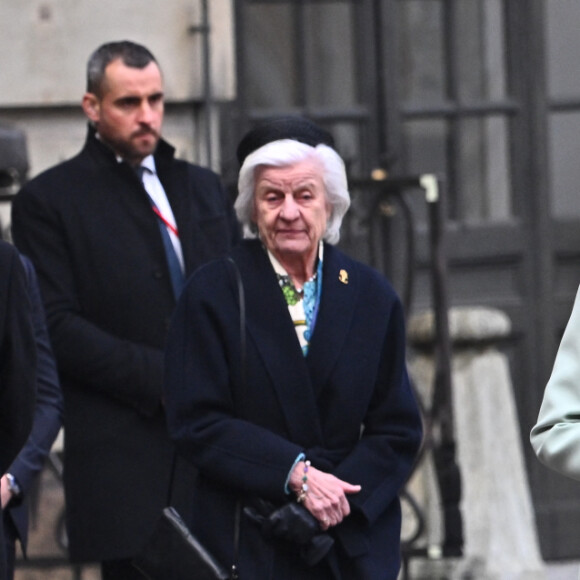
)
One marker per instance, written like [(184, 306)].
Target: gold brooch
[(343, 276)]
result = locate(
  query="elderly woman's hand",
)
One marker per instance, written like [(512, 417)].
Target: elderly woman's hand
[(325, 498)]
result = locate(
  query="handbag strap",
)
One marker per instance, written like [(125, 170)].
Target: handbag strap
[(242, 305), (171, 478), (234, 569)]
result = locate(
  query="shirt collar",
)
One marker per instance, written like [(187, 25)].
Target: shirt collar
[(148, 163)]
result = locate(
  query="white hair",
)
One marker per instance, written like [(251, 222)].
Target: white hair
[(288, 152)]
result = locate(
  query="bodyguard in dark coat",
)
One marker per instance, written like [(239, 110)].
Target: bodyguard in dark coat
[(17, 365), (90, 228), (312, 403)]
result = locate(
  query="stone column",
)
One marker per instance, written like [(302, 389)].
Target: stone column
[(499, 528)]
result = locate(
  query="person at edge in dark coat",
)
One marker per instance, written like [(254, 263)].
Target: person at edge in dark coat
[(113, 233), (17, 367), (17, 482), (306, 428)]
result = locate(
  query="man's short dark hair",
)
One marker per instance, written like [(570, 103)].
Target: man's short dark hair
[(131, 54)]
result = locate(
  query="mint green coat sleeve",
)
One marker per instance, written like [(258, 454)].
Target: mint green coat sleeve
[(556, 435)]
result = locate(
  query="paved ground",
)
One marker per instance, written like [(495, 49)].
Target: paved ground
[(564, 571)]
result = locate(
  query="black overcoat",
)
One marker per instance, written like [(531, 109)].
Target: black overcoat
[(88, 227), (245, 433)]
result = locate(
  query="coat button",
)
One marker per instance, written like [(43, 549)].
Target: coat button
[(157, 274)]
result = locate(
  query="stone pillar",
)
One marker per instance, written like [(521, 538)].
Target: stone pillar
[(498, 519)]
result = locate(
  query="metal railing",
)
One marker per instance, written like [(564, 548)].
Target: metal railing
[(438, 420)]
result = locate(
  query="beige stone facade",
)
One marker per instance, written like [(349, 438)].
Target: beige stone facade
[(45, 46)]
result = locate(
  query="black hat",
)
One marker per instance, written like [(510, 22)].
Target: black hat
[(296, 128)]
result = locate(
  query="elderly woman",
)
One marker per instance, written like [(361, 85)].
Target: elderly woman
[(306, 425)]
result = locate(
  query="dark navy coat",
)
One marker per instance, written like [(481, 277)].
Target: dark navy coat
[(347, 405)]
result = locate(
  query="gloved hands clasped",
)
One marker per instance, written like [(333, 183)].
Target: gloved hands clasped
[(293, 523)]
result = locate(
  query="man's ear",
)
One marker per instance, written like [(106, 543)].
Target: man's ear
[(91, 107)]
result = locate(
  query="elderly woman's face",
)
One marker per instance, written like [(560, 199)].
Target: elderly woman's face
[(290, 208)]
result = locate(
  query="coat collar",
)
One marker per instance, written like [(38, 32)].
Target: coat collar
[(164, 152), (340, 287)]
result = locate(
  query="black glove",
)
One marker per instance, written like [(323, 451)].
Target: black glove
[(293, 523)]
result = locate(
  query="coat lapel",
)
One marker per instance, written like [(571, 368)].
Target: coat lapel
[(137, 205), (339, 289), (272, 331), (177, 186)]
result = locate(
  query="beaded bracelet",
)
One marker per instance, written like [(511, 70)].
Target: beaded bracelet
[(304, 487)]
